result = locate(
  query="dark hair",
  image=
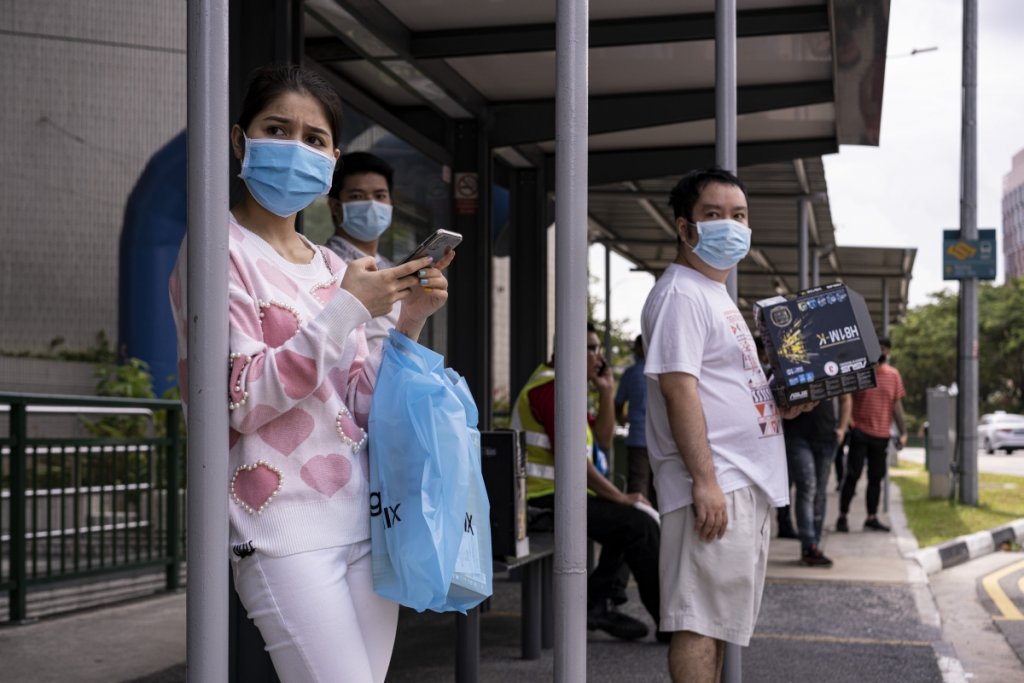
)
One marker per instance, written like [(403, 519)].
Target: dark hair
[(886, 342), (267, 83), (592, 328), (687, 191), (359, 162)]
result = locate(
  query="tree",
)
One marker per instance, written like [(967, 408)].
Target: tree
[(925, 348), (1001, 346)]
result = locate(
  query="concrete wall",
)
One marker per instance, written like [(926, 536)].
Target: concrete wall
[(92, 88)]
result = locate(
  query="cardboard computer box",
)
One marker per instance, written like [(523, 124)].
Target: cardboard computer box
[(820, 343)]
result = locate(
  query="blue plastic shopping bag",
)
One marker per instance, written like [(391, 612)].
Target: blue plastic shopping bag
[(472, 579), (421, 442)]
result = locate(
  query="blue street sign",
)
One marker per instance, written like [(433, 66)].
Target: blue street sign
[(969, 258)]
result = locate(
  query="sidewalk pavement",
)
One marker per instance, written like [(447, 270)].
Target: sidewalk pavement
[(871, 617)]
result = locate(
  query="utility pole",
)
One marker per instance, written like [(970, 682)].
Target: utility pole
[(967, 344)]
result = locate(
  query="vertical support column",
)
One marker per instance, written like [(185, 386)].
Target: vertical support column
[(467, 649), (967, 351), (572, 26), (725, 155), (886, 313), (608, 305), (815, 267), (803, 211), (17, 607), (725, 100), (261, 32), (173, 528), (207, 597), (529, 296), (470, 277)]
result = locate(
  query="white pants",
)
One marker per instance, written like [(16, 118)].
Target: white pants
[(318, 614)]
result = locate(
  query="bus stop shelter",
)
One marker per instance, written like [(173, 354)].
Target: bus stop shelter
[(473, 85)]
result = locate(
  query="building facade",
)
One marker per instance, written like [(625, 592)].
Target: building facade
[(1013, 218)]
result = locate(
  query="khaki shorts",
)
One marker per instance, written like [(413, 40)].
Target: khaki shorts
[(714, 588)]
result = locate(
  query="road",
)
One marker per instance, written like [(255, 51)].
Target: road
[(984, 625), (994, 464)]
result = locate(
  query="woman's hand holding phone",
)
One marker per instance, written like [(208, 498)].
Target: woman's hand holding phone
[(418, 284), (429, 294), (378, 290)]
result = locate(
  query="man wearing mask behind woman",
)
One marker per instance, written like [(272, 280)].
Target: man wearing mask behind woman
[(361, 208)]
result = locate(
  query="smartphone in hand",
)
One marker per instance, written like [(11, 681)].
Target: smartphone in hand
[(435, 245)]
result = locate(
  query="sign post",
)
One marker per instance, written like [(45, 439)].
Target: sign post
[(969, 258)]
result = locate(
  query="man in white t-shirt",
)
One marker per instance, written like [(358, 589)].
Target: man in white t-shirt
[(714, 433)]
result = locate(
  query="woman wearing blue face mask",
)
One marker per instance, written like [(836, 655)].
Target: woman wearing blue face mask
[(300, 381)]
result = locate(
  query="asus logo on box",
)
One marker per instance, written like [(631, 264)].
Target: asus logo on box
[(797, 395)]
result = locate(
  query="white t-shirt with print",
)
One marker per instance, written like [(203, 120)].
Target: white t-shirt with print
[(691, 325)]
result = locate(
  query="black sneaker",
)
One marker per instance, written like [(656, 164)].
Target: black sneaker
[(841, 524), (613, 622), (815, 558), (873, 523)]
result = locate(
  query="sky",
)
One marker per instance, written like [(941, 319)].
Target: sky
[(904, 192)]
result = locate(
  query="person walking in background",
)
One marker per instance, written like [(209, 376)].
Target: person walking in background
[(874, 412), (714, 432), (631, 408), (361, 210), (811, 442), (300, 383)]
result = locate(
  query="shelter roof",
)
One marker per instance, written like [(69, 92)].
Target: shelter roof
[(809, 78)]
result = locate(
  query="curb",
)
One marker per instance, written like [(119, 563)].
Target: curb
[(964, 548)]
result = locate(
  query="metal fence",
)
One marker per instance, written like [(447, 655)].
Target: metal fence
[(74, 505)]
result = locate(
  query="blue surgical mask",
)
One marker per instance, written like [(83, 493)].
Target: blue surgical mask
[(722, 243), (366, 220), (285, 176)]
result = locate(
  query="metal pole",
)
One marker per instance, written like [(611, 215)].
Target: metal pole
[(608, 304), (18, 593), (893, 459), (885, 307), (815, 267), (571, 127), (725, 155), (803, 211), (207, 542), (725, 99), (967, 355)]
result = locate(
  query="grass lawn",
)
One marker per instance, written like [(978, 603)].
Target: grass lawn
[(934, 520)]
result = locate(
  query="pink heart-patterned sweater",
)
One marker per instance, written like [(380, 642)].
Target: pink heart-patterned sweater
[(299, 382)]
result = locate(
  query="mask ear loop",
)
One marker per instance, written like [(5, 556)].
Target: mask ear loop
[(697, 230), (245, 155)]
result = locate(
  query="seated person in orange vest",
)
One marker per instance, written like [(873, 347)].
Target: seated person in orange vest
[(628, 536)]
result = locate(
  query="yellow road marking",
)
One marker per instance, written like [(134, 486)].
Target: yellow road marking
[(990, 583), (841, 640)]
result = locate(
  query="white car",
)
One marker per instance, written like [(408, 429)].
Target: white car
[(1001, 430)]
